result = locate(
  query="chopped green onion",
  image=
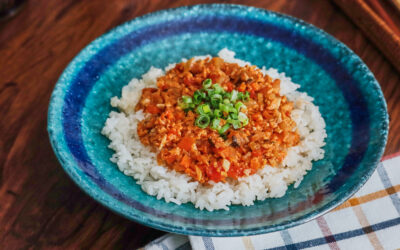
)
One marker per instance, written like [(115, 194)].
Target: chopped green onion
[(242, 117), (190, 105), (227, 95), (239, 105), (210, 92), (232, 110), (224, 128), (246, 97), (187, 106), (236, 124), (199, 110), (207, 83), (203, 109), (215, 100), (182, 105), (234, 116), (206, 108), (217, 113), (186, 99), (218, 89), (215, 123), (224, 107), (198, 97), (202, 121), (212, 103), (234, 95)]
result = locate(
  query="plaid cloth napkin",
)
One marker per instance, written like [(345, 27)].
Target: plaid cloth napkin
[(368, 220)]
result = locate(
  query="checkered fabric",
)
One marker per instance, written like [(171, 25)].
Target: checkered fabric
[(368, 220)]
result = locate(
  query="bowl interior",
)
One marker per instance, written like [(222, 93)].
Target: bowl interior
[(348, 96)]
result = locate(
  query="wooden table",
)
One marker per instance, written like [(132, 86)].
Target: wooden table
[(40, 207)]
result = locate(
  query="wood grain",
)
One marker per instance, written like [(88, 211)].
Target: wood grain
[(41, 208), (377, 26)]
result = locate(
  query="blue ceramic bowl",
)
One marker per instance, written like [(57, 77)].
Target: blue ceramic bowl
[(348, 95)]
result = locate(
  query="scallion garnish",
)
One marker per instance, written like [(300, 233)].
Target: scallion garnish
[(198, 97), (234, 95), (239, 105), (217, 113), (215, 124), (218, 89), (224, 108), (236, 124), (206, 108), (215, 100), (246, 97), (242, 117), (234, 116), (224, 128), (212, 103), (232, 110), (207, 83), (202, 121), (186, 99), (185, 102)]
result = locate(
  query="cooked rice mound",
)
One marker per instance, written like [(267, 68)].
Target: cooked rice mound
[(136, 160)]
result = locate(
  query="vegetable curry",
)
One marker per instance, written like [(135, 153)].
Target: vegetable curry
[(215, 120)]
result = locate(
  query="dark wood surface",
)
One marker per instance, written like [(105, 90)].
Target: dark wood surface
[(40, 207)]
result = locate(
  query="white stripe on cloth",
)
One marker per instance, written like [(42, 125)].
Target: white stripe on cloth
[(372, 221)]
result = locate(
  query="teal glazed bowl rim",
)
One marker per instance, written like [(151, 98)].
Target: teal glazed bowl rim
[(76, 82)]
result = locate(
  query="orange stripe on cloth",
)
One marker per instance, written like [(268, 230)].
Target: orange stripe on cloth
[(367, 228), (355, 201), (248, 245)]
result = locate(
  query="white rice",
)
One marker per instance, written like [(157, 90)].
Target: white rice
[(136, 160)]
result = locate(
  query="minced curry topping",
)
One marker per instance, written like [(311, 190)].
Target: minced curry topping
[(215, 120)]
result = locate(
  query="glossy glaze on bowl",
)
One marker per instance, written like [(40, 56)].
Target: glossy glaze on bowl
[(348, 95)]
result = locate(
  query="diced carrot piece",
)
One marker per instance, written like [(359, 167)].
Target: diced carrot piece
[(229, 153), (189, 81), (148, 91), (233, 172), (255, 163), (186, 161), (242, 87), (186, 143), (255, 86), (252, 94), (152, 109), (229, 86), (170, 158), (257, 153), (179, 115), (213, 174), (257, 117)]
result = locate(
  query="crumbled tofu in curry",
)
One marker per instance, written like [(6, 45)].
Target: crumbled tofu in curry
[(201, 152)]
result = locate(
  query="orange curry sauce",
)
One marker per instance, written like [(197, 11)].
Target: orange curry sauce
[(202, 153)]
